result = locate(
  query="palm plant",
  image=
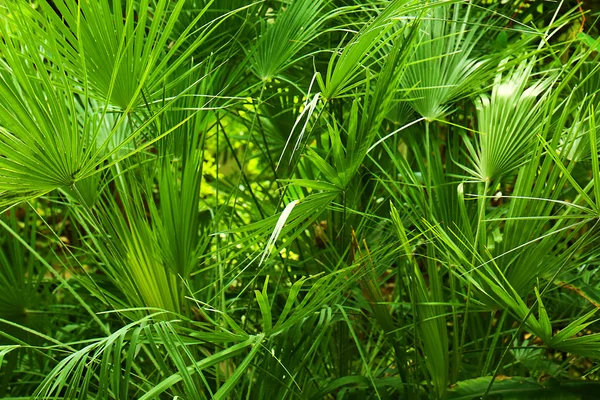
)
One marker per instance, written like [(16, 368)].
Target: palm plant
[(443, 67), (298, 199)]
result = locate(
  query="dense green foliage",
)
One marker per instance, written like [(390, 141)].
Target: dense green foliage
[(299, 199)]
